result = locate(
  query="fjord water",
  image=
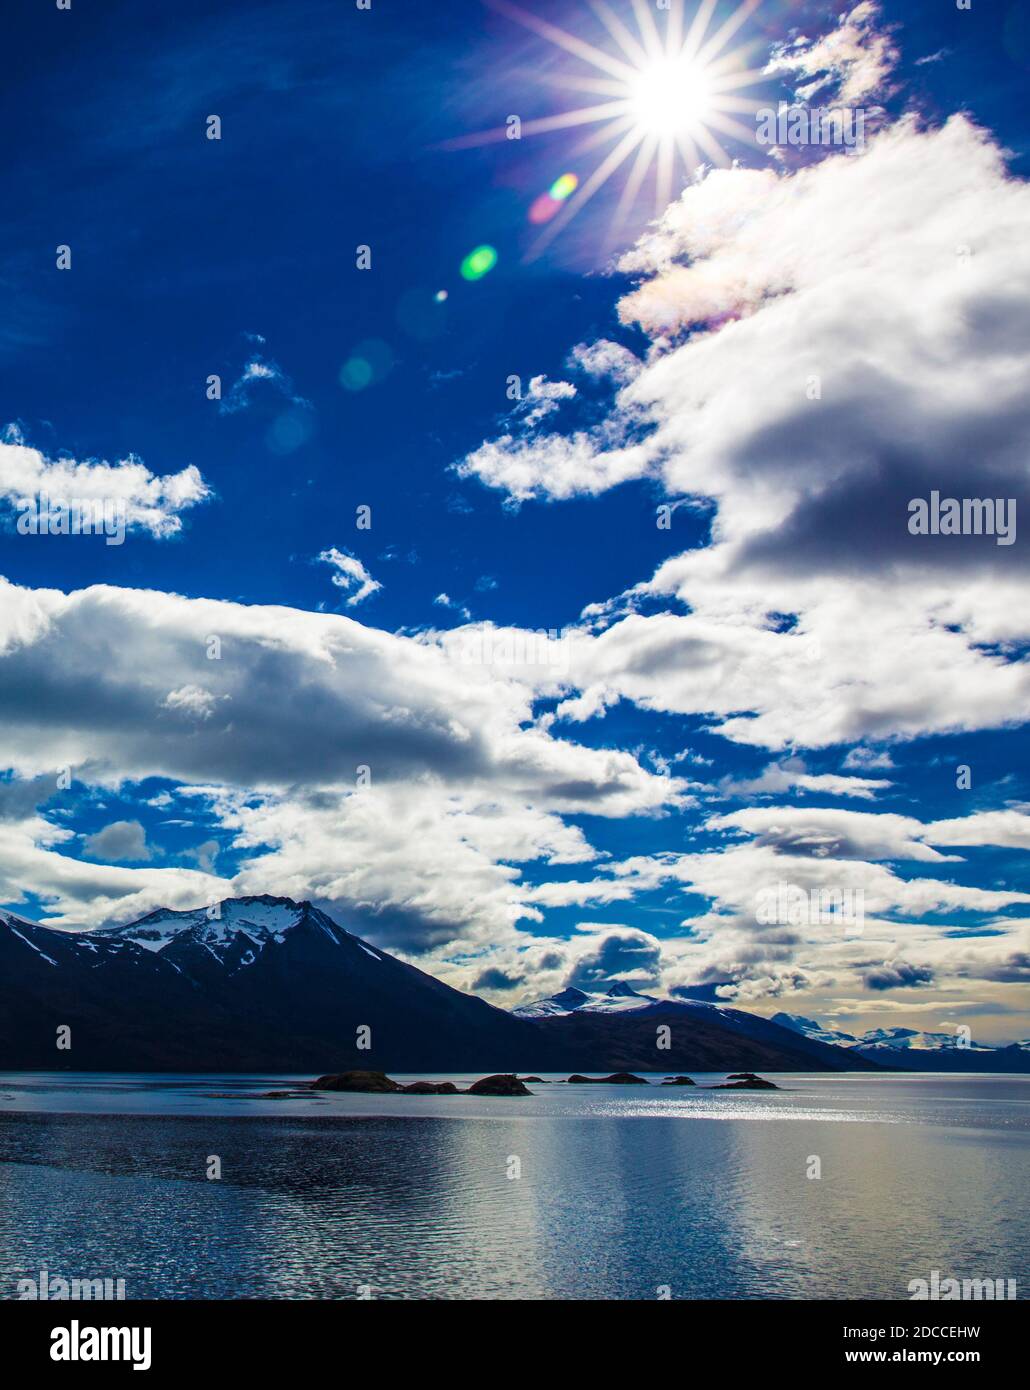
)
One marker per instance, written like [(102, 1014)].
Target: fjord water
[(623, 1191)]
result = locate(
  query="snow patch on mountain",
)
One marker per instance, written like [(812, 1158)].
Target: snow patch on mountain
[(812, 1028), (620, 998), (31, 944), (881, 1039), (260, 920)]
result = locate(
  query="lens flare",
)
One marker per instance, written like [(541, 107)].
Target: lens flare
[(368, 364), (478, 263), (660, 97), (420, 313), (545, 207)]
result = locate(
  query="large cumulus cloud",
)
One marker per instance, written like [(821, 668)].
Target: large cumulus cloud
[(396, 779), (810, 375)]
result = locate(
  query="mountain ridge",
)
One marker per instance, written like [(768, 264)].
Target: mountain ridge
[(620, 1020), (911, 1049), (266, 983)]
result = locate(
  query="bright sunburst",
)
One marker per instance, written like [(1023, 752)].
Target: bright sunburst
[(667, 97), (670, 96)]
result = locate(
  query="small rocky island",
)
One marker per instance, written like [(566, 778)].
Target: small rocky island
[(745, 1081), (501, 1085), (378, 1083), (618, 1078), (679, 1081)]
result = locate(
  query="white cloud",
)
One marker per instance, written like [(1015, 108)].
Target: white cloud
[(303, 697), (444, 600), (542, 398), (855, 58), (83, 894), (350, 574), (411, 865), (259, 371), (1010, 828), (121, 840), (553, 465), (840, 834), (809, 376), (793, 776), (151, 503), (191, 699), (865, 759), (525, 463), (605, 359), (876, 835)]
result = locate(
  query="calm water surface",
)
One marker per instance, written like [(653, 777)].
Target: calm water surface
[(621, 1190)]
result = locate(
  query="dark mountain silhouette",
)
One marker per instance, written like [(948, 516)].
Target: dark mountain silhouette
[(268, 984), (700, 1038), (620, 1028)]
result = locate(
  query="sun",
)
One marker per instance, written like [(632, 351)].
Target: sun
[(662, 100), (669, 97)]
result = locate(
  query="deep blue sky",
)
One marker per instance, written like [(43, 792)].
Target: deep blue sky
[(182, 245)]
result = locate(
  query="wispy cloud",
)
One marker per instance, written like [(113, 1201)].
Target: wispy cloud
[(351, 575), (259, 373)]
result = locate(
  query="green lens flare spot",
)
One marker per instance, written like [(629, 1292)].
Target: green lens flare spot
[(478, 263)]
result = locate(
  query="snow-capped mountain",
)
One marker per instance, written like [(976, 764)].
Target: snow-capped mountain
[(900, 1039), (811, 1028), (621, 1023), (911, 1040), (259, 920), (252, 984), (620, 998), (915, 1050), (231, 935)]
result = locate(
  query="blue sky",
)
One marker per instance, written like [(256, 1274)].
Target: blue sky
[(778, 688)]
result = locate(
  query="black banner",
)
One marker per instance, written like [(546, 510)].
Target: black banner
[(182, 1338)]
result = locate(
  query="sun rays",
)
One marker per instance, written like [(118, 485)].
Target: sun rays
[(663, 97)]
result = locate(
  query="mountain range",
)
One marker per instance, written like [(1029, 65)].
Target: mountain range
[(912, 1050), (269, 984), (620, 1024)]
